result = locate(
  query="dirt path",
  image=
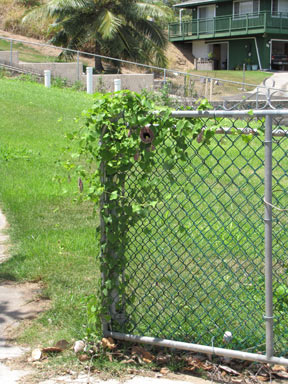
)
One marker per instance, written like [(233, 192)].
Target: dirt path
[(18, 302)]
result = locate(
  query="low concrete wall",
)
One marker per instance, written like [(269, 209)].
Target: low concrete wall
[(203, 65), (68, 71), (72, 72), (133, 82), (5, 57)]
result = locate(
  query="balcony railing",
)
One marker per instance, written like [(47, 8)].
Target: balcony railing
[(229, 26)]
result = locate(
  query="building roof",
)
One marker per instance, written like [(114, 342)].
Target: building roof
[(192, 3)]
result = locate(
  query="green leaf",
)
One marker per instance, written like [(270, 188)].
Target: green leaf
[(114, 195), (136, 208)]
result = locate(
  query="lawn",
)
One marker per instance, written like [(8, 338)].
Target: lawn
[(32, 53), (194, 262), (53, 237), (251, 77)]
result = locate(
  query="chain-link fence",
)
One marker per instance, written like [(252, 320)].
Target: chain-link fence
[(184, 86), (195, 271)]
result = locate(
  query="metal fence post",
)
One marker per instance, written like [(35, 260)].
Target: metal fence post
[(78, 67), (243, 80), (11, 52), (103, 237), (268, 237), (206, 88), (211, 90), (257, 97)]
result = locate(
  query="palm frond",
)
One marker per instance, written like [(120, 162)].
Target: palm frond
[(109, 24), (153, 32), (154, 10)]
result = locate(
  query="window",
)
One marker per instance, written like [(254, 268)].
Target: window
[(206, 12), (206, 16), (280, 6), (242, 8)]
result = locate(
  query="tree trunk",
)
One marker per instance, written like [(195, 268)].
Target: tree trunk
[(98, 60)]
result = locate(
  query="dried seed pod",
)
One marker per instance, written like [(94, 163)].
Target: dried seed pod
[(80, 184), (146, 135), (200, 137)]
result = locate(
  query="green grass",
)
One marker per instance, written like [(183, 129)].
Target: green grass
[(27, 53), (251, 77), (194, 262), (53, 237)]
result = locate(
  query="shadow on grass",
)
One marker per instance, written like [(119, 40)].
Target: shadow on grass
[(7, 268)]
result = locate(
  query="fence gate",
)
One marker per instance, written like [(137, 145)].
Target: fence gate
[(198, 273)]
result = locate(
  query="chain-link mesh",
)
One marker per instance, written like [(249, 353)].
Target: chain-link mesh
[(280, 239), (195, 262)]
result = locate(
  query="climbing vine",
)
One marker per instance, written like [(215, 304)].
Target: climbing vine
[(121, 133)]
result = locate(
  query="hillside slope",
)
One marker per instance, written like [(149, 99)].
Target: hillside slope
[(12, 12)]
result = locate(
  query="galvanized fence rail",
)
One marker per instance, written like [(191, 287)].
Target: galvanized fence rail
[(183, 85), (206, 268)]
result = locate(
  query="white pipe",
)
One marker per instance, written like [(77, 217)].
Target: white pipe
[(180, 19), (258, 56), (215, 113), (47, 78), (117, 85), (197, 348), (89, 80)]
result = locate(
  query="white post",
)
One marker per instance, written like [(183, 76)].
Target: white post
[(117, 85), (47, 78), (89, 79)]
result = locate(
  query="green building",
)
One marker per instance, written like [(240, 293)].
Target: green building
[(234, 32)]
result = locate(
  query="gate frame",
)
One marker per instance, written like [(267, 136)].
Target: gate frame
[(267, 201)]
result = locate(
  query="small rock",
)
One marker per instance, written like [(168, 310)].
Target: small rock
[(36, 354), (164, 371), (79, 346), (84, 357)]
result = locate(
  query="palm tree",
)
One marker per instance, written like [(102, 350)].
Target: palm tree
[(126, 29)]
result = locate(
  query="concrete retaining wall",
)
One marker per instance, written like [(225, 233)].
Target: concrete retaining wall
[(134, 82), (5, 57), (68, 71), (72, 72)]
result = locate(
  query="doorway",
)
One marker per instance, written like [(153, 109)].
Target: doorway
[(219, 53), (279, 55)]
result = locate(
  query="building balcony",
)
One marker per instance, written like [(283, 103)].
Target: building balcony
[(225, 26)]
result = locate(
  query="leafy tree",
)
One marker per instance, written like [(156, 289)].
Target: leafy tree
[(126, 29)]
